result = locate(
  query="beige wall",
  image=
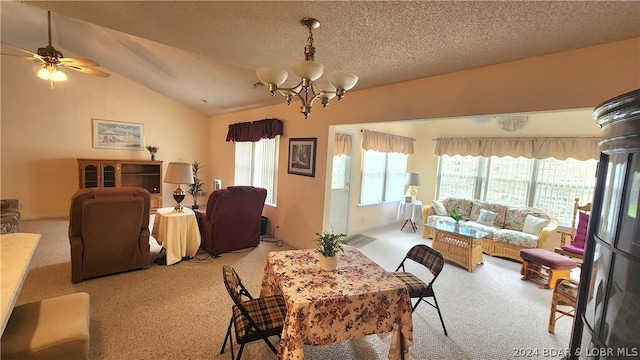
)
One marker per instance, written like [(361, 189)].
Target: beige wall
[(579, 79), (45, 130)]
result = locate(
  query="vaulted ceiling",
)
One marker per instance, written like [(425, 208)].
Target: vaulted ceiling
[(204, 53)]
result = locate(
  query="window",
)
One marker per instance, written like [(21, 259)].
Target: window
[(257, 165), (548, 184), (383, 177), (338, 173)]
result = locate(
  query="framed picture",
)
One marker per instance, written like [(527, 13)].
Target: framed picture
[(302, 156), (109, 134)]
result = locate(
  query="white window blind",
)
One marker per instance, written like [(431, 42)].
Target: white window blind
[(256, 165)]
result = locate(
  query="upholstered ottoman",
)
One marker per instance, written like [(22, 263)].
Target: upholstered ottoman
[(544, 267), (55, 328)]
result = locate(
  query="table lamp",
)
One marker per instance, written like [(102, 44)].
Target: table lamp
[(413, 180), (179, 173)]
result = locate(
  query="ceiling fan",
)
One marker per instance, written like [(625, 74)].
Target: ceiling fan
[(52, 61)]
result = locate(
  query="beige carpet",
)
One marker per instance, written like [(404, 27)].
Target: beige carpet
[(181, 311)]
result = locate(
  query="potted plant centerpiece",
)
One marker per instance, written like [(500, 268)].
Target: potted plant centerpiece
[(455, 215), (196, 187), (329, 245)]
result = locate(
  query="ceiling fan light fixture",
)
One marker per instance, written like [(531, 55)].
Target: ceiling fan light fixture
[(307, 90), (52, 61), (44, 73), (51, 73)]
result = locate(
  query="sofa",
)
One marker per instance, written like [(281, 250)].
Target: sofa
[(10, 213), (510, 227), (232, 219)]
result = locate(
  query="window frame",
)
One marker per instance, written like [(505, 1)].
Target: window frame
[(385, 177), (483, 177)]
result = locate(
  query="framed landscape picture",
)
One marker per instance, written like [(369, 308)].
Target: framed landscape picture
[(302, 156), (109, 134)]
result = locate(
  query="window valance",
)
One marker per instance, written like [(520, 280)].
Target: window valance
[(255, 130), (383, 142), (342, 144), (579, 148)]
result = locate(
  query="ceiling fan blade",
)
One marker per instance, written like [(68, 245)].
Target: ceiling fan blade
[(36, 58), (21, 56), (23, 50), (78, 61), (86, 70), (33, 57)]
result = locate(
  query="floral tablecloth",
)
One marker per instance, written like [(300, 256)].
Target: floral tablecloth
[(359, 298)]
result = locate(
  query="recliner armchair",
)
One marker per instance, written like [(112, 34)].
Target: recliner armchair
[(108, 231), (232, 219)]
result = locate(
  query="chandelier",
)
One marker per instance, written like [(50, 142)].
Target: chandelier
[(307, 90)]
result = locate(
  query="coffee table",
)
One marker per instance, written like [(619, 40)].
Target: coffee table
[(458, 243)]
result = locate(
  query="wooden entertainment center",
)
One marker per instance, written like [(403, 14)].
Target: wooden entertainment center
[(117, 173)]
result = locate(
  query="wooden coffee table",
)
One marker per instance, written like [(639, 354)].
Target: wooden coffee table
[(458, 243)]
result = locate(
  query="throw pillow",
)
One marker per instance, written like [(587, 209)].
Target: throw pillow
[(534, 225), (486, 217), (439, 208)]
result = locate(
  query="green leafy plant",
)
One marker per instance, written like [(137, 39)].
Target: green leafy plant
[(455, 215), (329, 244), (196, 187)]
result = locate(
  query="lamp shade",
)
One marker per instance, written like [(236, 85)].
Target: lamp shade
[(413, 179), (179, 173), (272, 76), (307, 69), (342, 80)]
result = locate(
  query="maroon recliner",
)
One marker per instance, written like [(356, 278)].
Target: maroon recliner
[(232, 219), (108, 231)]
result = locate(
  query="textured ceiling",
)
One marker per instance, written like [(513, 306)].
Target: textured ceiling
[(208, 50)]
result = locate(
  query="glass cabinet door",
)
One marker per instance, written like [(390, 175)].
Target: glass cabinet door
[(90, 176), (108, 176)]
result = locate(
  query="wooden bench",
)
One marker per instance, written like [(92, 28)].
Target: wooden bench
[(55, 328)]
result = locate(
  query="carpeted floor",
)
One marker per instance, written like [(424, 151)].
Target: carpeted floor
[(181, 311)]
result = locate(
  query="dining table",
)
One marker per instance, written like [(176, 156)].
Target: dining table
[(359, 298)]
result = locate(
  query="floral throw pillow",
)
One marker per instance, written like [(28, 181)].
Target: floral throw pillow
[(439, 208), (486, 217)]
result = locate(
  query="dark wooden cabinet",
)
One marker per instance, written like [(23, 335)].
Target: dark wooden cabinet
[(608, 308), (116, 173)]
